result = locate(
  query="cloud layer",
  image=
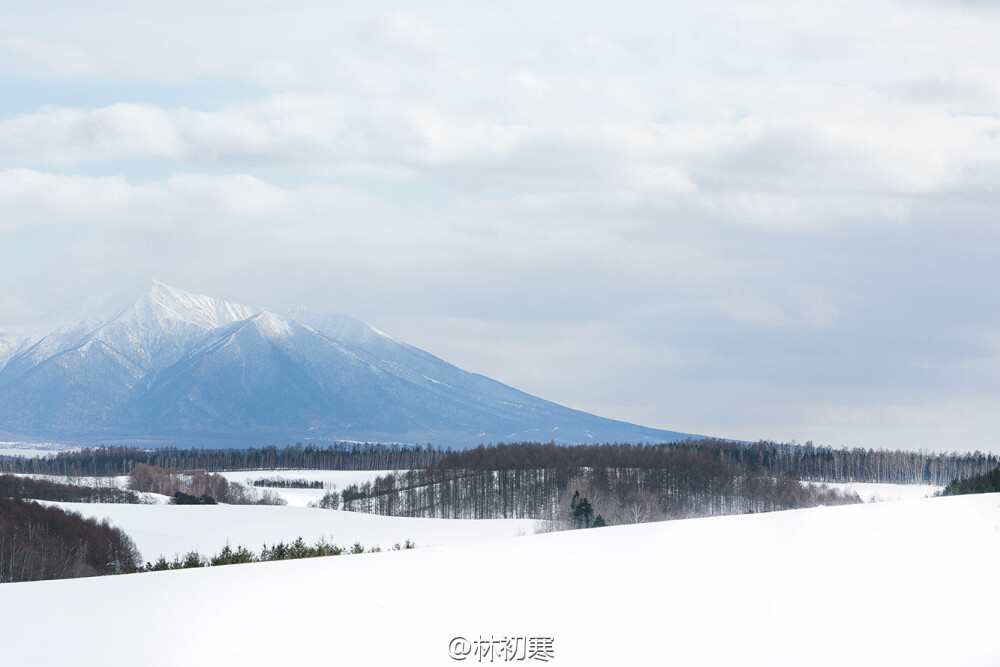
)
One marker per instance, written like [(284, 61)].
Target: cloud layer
[(771, 219)]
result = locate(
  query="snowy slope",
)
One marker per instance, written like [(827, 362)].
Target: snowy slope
[(10, 345), (162, 325), (910, 583), (170, 530)]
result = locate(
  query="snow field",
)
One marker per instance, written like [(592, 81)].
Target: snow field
[(170, 530), (908, 583), (332, 480)]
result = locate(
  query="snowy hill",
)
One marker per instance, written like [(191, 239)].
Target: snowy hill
[(181, 368), (171, 530), (906, 583)]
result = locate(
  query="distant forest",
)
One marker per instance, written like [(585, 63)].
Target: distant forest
[(121, 460), (613, 483), (805, 462)]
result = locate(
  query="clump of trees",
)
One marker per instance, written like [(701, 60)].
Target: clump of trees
[(283, 483), (985, 483), (621, 483), (43, 489), (181, 498), (329, 501), (38, 543), (197, 483), (280, 551), (581, 513)]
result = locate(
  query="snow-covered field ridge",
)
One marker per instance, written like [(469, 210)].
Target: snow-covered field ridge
[(905, 583)]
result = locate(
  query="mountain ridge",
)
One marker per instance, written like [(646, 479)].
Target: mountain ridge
[(181, 368)]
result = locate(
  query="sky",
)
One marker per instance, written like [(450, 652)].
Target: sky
[(765, 219)]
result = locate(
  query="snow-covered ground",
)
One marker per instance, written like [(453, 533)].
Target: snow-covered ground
[(331, 479), (170, 530), (907, 583), (874, 493)]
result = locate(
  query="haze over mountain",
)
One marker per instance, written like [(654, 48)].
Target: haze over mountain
[(180, 368)]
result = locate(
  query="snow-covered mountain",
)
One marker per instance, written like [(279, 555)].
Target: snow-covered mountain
[(180, 368)]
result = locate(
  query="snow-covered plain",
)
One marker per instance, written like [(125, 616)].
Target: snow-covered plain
[(171, 530), (331, 479), (906, 583)]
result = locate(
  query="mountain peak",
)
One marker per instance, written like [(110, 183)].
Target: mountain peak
[(177, 367), (271, 326), (164, 302)]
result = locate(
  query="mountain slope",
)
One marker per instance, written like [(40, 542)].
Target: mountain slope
[(181, 368), (162, 324)]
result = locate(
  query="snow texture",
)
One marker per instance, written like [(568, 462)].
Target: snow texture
[(908, 583)]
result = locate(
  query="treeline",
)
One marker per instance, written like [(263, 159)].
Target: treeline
[(203, 487), (280, 551), (38, 543), (98, 461), (539, 482), (40, 489), (284, 483), (985, 483), (807, 462), (826, 464)]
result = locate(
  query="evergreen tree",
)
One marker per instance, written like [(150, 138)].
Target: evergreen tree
[(581, 511)]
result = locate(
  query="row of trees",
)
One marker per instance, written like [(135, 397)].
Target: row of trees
[(95, 461), (807, 461), (280, 551), (284, 483), (38, 543), (42, 489)]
